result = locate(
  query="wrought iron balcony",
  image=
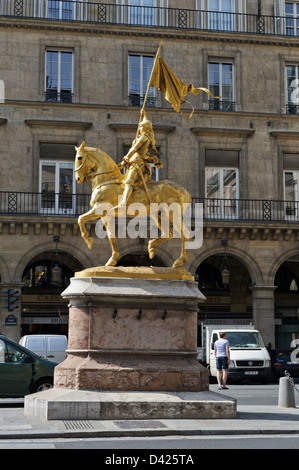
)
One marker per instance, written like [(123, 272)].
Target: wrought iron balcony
[(221, 105), (292, 108), (137, 100), (259, 210), (44, 203), (72, 205), (54, 96), (182, 18)]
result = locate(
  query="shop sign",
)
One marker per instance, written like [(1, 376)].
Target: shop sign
[(43, 298), (213, 299), (44, 320), (11, 320), (228, 321)]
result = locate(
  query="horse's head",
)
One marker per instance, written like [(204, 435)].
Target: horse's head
[(83, 165)]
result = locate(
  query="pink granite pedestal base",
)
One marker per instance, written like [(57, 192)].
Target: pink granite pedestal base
[(132, 334)]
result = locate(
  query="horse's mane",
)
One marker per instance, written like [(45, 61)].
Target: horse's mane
[(101, 152)]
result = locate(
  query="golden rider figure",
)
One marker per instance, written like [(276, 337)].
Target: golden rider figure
[(137, 158)]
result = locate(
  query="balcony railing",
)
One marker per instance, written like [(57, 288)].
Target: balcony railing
[(137, 100), (292, 108), (259, 210), (73, 205), (221, 105), (59, 97), (66, 10), (44, 203)]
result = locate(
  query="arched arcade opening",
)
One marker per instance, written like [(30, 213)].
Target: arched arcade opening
[(287, 304), (44, 278)]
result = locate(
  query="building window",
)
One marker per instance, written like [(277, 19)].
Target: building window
[(142, 12), (221, 83), (291, 194), (140, 67), (57, 178), (292, 84), (291, 188), (222, 184), (60, 10), (59, 76), (292, 18), (221, 15)]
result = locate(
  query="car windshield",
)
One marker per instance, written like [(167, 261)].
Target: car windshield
[(245, 339)]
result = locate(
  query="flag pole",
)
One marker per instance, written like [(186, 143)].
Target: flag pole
[(148, 86)]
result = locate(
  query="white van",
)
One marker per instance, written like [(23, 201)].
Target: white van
[(248, 356), (50, 347)]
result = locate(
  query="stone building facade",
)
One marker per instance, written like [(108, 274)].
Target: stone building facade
[(73, 71)]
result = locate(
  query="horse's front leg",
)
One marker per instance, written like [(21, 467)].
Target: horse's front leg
[(109, 222), (180, 228), (112, 261), (90, 215)]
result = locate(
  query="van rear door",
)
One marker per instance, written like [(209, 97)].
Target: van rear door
[(213, 369), (56, 346), (36, 344)]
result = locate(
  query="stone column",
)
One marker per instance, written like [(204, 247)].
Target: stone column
[(263, 303)]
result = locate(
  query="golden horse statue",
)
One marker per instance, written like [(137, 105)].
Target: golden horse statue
[(93, 163)]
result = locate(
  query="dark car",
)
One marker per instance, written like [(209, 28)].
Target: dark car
[(282, 360), (21, 371)]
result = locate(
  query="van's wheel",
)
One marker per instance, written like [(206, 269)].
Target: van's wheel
[(42, 384)]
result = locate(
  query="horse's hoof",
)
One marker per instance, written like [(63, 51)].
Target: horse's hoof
[(151, 253), (89, 242), (111, 262), (178, 263)]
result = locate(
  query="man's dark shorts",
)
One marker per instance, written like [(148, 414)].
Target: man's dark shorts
[(221, 363)]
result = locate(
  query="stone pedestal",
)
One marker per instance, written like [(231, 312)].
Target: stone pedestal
[(133, 333), (132, 350)]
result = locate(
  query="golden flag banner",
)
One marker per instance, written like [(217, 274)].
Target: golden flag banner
[(173, 88)]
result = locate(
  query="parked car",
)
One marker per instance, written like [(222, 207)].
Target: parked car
[(281, 361), (51, 347), (21, 371)]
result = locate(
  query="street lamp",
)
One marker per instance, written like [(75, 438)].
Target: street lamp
[(225, 268), (56, 266)]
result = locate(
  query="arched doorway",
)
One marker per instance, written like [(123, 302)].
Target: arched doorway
[(44, 279), (226, 284), (287, 303)]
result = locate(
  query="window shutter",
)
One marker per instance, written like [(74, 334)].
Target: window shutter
[(279, 13), (57, 151), (222, 158), (201, 18), (291, 161)]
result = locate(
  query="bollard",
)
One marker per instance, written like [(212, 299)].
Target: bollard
[(286, 395)]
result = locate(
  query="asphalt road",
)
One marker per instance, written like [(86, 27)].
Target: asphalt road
[(256, 395), (149, 449)]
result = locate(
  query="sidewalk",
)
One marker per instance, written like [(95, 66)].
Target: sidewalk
[(250, 420)]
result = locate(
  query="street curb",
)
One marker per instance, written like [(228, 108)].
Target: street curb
[(141, 433)]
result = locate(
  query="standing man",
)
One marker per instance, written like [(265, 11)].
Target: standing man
[(221, 351)]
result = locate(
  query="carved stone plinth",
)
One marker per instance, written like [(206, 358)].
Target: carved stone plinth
[(131, 351), (132, 329)]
